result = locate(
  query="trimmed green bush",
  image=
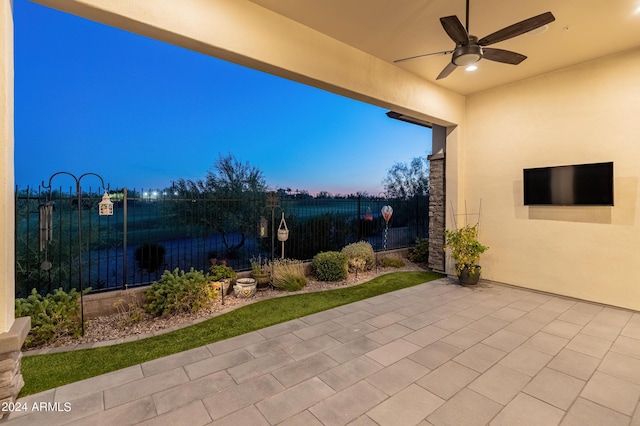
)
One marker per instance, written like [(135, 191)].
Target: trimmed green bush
[(52, 317), (420, 253), (330, 266), (360, 253), (179, 291)]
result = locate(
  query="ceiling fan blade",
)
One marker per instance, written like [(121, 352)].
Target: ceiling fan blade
[(447, 70), (444, 52), (517, 29), (504, 56), (455, 29)]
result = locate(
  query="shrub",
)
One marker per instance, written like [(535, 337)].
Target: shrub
[(150, 256), (52, 316), (330, 266), (360, 255), (220, 272), (179, 291), (420, 253), (288, 274), (391, 262), (128, 312), (290, 282)]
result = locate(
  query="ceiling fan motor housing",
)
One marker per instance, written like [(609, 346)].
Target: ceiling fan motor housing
[(468, 54)]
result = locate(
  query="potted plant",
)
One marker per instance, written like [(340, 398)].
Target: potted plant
[(260, 271), (222, 274), (465, 252)]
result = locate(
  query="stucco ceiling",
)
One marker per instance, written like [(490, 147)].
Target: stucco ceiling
[(395, 29)]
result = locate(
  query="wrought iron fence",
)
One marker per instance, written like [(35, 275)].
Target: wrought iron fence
[(151, 231)]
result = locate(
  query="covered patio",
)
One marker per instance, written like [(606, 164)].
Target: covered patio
[(574, 101)]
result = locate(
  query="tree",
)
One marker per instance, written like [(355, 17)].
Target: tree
[(407, 180), (231, 177), (231, 198)]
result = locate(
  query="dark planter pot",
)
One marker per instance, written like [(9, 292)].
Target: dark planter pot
[(468, 278)]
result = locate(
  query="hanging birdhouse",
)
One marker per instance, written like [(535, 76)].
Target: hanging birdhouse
[(105, 207)]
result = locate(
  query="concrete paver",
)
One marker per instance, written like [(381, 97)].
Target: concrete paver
[(434, 354)]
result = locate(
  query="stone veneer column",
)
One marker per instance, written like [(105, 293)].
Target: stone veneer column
[(437, 211), (11, 381)]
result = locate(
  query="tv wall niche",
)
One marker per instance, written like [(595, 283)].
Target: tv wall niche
[(571, 185)]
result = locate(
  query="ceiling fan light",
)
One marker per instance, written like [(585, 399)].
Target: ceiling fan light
[(467, 55)]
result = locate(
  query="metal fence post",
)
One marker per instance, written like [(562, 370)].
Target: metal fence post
[(124, 239)]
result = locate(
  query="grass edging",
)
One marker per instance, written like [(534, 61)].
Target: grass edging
[(48, 371)]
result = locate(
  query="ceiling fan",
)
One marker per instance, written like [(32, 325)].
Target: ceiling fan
[(470, 50)]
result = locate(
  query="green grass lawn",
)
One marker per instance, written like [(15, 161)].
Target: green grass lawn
[(43, 372)]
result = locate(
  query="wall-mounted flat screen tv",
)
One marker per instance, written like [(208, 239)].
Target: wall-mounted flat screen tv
[(577, 185)]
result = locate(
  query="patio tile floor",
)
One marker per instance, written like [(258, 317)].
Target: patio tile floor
[(434, 354)]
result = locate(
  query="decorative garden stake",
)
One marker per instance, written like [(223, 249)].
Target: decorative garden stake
[(79, 195), (273, 203), (387, 212)]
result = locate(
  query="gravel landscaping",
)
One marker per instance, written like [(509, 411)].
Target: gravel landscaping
[(114, 328)]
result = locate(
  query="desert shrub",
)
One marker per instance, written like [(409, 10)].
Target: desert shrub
[(330, 266), (360, 255), (52, 317), (391, 262), (150, 256), (179, 291), (288, 274), (128, 311), (420, 253)]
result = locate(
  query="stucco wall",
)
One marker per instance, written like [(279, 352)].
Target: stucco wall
[(7, 259), (584, 114)]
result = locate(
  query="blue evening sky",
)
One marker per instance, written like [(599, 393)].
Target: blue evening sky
[(142, 113)]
